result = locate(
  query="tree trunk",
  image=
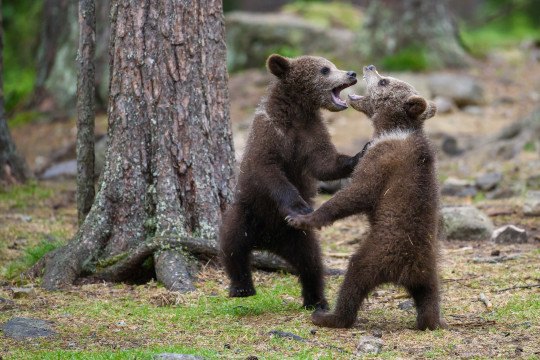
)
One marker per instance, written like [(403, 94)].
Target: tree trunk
[(85, 107), (56, 73), (13, 168), (170, 161), (422, 28)]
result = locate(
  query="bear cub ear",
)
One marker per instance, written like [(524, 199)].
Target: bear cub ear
[(415, 105), (278, 65)]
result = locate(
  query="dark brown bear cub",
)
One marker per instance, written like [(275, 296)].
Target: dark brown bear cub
[(288, 149), (396, 185)]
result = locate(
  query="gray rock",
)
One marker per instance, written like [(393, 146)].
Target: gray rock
[(444, 104), (501, 193), (172, 356), (465, 223), (509, 234), (20, 328), (473, 110), (251, 37), (531, 205), (489, 181), (369, 345), (284, 334), (449, 145), (463, 90), (406, 305), (19, 293), (62, 169), (458, 187), (533, 181)]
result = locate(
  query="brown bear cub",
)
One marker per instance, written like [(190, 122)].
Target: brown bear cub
[(288, 149), (396, 185)]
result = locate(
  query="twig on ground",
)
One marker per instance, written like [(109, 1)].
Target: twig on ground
[(486, 301), (518, 287)]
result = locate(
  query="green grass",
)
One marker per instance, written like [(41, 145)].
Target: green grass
[(19, 197), (32, 255)]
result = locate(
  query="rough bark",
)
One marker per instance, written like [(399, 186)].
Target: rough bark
[(86, 108), (169, 166), (13, 167), (427, 27)]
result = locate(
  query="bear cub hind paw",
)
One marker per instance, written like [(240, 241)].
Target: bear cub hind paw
[(237, 291)]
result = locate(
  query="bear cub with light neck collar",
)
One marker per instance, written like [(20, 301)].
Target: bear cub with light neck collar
[(396, 185)]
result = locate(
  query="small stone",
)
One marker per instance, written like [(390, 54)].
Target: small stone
[(313, 332), (509, 234), (473, 110), (465, 223), (444, 104), (252, 357), (531, 205), (369, 345), (495, 253), (19, 293), (458, 187), (377, 333), (122, 323), (284, 334), (489, 181), (172, 356), (406, 305), (500, 193), (449, 146)]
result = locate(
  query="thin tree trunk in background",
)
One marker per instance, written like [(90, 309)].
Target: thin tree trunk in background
[(86, 108), (13, 167), (170, 162), (56, 73)]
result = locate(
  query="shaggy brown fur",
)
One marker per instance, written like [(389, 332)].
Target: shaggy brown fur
[(288, 149), (396, 185)]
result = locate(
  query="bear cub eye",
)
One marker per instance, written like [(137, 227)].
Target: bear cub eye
[(325, 70), (383, 82)]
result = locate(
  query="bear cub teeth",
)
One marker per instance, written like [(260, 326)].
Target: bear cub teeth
[(336, 92)]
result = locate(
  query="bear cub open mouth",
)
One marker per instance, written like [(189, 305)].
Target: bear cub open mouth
[(337, 90)]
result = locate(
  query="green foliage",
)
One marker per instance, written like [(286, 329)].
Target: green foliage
[(504, 25), (20, 196), (32, 255), (327, 14), (530, 147), (23, 118), (22, 25), (411, 58), (286, 51)]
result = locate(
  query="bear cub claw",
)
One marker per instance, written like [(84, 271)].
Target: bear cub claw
[(321, 305)]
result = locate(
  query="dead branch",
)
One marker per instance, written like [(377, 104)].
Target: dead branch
[(518, 287)]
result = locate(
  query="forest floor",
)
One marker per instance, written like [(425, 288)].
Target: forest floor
[(137, 321)]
